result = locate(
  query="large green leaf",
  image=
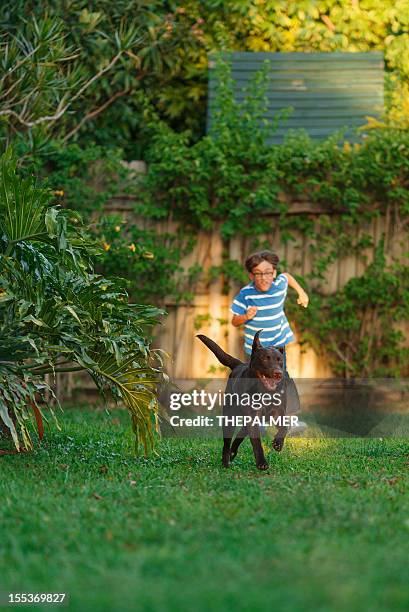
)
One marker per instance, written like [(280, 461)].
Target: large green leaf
[(22, 205), (56, 315)]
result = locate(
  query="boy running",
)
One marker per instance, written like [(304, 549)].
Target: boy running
[(260, 304)]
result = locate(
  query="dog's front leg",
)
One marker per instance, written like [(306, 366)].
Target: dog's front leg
[(254, 433), (237, 441), (227, 438), (278, 441)]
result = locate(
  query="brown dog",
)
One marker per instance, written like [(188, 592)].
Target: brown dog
[(262, 375)]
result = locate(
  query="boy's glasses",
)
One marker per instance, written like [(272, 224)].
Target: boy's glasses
[(261, 274)]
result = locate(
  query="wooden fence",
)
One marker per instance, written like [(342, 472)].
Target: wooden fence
[(211, 309)]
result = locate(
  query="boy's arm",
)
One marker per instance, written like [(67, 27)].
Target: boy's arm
[(238, 319), (241, 311), (303, 298)]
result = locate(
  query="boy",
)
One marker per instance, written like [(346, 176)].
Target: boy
[(260, 304)]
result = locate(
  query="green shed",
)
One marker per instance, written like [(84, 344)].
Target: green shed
[(327, 91)]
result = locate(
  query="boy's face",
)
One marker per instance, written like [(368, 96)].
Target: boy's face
[(263, 275)]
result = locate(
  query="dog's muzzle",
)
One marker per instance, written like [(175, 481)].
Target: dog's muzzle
[(271, 383)]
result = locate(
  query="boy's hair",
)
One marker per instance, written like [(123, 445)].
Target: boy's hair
[(256, 258)]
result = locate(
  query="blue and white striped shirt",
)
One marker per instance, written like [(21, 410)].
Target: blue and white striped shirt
[(270, 316)]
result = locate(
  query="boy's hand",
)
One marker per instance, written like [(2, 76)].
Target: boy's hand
[(238, 320), (251, 312), (303, 299)]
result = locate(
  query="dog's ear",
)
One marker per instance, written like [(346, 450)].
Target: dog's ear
[(280, 348), (256, 341)]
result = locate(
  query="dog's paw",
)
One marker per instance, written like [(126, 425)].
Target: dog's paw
[(262, 466), (225, 460), (278, 444)]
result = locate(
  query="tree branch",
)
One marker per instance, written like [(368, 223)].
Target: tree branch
[(95, 112), (10, 89), (61, 109), (328, 22), (342, 357)]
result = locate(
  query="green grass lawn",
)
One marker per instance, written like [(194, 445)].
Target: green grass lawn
[(326, 528)]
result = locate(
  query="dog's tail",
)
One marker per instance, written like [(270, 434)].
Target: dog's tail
[(224, 358)]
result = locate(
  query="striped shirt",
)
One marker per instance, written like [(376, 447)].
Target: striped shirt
[(270, 316)]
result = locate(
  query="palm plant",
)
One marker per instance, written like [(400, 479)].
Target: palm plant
[(56, 315)]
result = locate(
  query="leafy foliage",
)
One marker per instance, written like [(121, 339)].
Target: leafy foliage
[(231, 176), (152, 265), (168, 58), (356, 327), (43, 81), (83, 179), (87, 65), (57, 315)]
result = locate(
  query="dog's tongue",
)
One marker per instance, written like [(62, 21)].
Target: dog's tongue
[(269, 383)]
